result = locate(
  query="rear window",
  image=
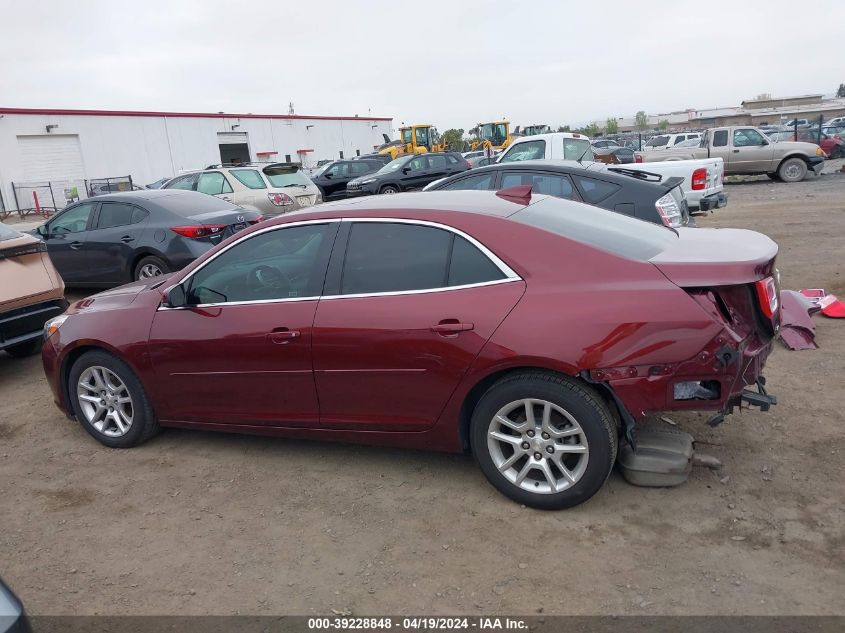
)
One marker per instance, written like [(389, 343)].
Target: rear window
[(249, 178), (7, 233), (595, 190), (188, 205), (658, 141), (612, 232), (285, 177)]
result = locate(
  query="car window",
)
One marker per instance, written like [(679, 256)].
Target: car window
[(183, 182), (249, 178), (452, 159), (394, 257), (468, 265), (679, 139), (577, 149), (720, 138), (529, 150), (288, 176), (73, 220), (479, 182), (362, 167), (115, 214), (138, 215), (213, 183), (558, 185), (658, 141), (280, 264), (437, 162), (417, 164), (337, 169), (593, 190), (747, 138)]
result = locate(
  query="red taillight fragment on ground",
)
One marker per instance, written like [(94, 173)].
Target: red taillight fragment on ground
[(832, 307)]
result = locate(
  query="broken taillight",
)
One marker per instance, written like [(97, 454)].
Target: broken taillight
[(699, 178), (767, 295)]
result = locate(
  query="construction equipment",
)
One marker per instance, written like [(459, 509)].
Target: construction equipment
[(533, 130), (495, 135), (413, 139)]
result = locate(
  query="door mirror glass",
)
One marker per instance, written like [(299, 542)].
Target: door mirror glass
[(41, 230), (176, 297)]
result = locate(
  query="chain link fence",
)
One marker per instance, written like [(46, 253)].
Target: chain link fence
[(46, 198)]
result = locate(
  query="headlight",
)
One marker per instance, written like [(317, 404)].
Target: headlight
[(52, 326), (819, 151)]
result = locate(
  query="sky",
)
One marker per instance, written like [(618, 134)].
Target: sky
[(451, 63)]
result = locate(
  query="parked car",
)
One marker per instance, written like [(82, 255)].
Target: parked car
[(31, 291), (613, 155), (667, 141), (158, 184), (604, 143), (459, 320), (703, 180), (746, 150), (413, 171), (838, 120), (13, 618), (332, 178), (831, 144), (634, 195), (798, 122), (557, 145), (382, 158), (121, 237), (266, 188)]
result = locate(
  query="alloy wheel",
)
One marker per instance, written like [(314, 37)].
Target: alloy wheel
[(105, 401), (149, 270), (538, 446)]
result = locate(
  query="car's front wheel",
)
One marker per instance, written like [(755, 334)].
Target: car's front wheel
[(390, 189), (150, 266), (792, 170), (109, 400), (544, 440)]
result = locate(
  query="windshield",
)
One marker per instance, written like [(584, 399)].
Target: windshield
[(320, 170), (496, 133), (393, 165), (406, 135), (286, 177), (7, 233)]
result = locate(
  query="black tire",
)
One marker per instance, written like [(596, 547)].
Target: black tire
[(792, 170), (144, 422), (774, 176), (150, 261), (389, 189), (576, 398), (21, 350)]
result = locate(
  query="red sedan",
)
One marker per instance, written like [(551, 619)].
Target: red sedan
[(532, 331)]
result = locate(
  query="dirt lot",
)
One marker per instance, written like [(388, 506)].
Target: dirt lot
[(198, 523)]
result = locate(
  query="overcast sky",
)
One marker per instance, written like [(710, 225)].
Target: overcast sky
[(451, 63)]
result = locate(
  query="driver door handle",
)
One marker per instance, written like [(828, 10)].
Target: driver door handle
[(451, 326), (75, 245), (282, 335), (127, 238)]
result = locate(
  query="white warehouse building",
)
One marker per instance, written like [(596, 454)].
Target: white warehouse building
[(66, 148)]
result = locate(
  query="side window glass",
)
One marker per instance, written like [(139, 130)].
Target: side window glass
[(470, 266), (747, 138), (417, 164), (720, 138), (183, 182), (530, 150), (279, 264), (480, 182), (360, 167), (114, 214), (394, 257), (213, 183), (594, 191), (549, 184), (452, 159), (73, 220), (249, 178), (437, 162), (138, 215)]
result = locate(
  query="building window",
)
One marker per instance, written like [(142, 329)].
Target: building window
[(287, 158), (341, 153), (357, 152)]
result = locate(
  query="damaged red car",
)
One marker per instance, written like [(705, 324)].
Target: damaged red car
[(529, 330)]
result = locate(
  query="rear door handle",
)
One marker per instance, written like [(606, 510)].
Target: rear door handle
[(127, 238), (282, 335), (75, 245), (226, 198), (451, 326), (736, 151)]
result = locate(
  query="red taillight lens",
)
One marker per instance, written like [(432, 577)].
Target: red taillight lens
[(699, 178), (199, 230), (260, 218), (280, 199), (767, 295), (638, 158)]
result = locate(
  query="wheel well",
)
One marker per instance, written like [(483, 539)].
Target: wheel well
[(67, 363), (390, 184), (786, 158), (138, 257), (477, 392)]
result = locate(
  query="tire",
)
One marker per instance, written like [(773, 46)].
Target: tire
[(792, 170), (148, 267), (534, 476), (21, 350), (389, 189), (774, 176), (124, 425)]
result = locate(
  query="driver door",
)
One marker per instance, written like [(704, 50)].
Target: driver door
[(66, 237), (751, 153), (240, 352)]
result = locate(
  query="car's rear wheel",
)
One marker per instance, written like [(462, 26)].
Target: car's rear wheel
[(109, 400), (150, 266), (792, 170), (544, 440), (23, 349), (389, 189)]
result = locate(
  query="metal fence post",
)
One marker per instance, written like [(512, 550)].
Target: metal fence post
[(15, 194), (52, 197)]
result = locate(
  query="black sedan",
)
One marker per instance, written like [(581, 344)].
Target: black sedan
[(638, 193), (406, 173), (331, 179), (116, 238)]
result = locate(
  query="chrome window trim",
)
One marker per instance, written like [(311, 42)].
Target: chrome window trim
[(510, 274)]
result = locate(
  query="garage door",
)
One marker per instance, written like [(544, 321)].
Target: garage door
[(51, 157), (231, 138)]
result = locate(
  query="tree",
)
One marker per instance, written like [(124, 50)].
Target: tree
[(841, 91), (611, 126), (663, 125), (589, 130), (641, 120), (454, 138), (563, 128)]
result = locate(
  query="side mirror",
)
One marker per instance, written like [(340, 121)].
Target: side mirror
[(405, 170), (176, 297), (327, 175), (41, 230)]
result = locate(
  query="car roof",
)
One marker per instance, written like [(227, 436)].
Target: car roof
[(157, 196), (553, 163), (550, 136)]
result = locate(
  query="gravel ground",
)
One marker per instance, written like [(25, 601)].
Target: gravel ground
[(204, 523)]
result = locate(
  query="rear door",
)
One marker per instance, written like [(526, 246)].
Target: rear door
[(407, 307), (438, 167), (111, 243), (548, 183), (66, 236)]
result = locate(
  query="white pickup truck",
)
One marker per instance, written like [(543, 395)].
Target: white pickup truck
[(702, 187)]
